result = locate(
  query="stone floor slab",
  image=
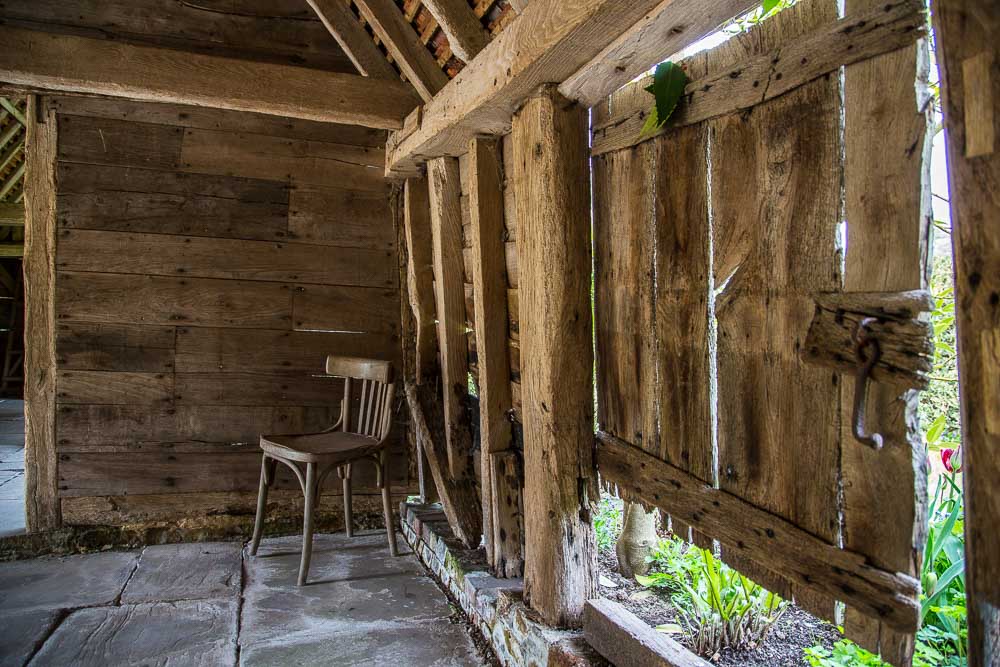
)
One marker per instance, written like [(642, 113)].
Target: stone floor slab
[(64, 583), (195, 633), (22, 632), (169, 572)]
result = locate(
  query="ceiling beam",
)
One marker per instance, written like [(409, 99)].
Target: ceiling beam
[(338, 18), (465, 33), (11, 215), (153, 74), (551, 41), (404, 45)]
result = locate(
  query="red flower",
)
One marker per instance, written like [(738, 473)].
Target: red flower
[(952, 462)]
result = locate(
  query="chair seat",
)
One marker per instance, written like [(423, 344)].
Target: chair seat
[(319, 447)]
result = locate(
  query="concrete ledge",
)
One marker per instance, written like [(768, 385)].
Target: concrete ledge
[(494, 606)]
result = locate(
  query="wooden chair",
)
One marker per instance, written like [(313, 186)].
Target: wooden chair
[(336, 448)]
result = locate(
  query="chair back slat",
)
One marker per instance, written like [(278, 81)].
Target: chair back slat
[(376, 395)]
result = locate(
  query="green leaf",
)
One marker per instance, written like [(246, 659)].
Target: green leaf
[(769, 6), (670, 629), (668, 88), (937, 428)]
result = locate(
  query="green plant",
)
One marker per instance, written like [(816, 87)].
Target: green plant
[(845, 653), (667, 88), (608, 522), (719, 606)]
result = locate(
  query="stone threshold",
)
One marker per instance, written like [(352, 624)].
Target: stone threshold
[(495, 607)]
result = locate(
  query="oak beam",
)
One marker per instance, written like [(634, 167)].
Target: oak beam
[(420, 274), (152, 74), (40, 461), (551, 169), (404, 45), (466, 35), (969, 60), (341, 22), (550, 41), (449, 292)]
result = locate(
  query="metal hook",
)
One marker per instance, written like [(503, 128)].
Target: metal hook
[(863, 341)]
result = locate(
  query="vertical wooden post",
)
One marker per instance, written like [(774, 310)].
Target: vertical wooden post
[(489, 275), (554, 259), (449, 292), (970, 71), (41, 478), (888, 211), (420, 274)]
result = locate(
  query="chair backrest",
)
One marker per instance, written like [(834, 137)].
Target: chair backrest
[(374, 415)]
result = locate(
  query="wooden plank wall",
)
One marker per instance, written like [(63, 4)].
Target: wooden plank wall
[(207, 262), (711, 240)]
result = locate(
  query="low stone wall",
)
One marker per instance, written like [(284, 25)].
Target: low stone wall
[(494, 606)]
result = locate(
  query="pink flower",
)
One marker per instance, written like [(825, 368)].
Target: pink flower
[(952, 462)]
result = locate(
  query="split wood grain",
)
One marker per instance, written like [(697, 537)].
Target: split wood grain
[(446, 234), (553, 242), (761, 535), (345, 27), (82, 64), (965, 31), (404, 45), (40, 361), (420, 274), (625, 639)]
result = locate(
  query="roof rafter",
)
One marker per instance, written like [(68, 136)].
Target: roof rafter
[(404, 45), (338, 18), (154, 74), (465, 33)]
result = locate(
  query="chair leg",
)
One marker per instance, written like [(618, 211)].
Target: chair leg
[(265, 484), (307, 522), (390, 524), (348, 510)]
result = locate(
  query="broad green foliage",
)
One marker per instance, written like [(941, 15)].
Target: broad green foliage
[(667, 88), (719, 606)]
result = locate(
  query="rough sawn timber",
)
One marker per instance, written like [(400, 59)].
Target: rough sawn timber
[(85, 65), (420, 275), (466, 35), (757, 534), (345, 27), (625, 639), (553, 244)]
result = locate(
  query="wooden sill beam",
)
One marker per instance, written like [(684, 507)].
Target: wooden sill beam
[(152, 74), (466, 35), (404, 45), (340, 21), (625, 639), (552, 41), (756, 534)]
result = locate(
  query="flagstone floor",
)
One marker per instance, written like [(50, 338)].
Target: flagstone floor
[(11, 467), (213, 604)]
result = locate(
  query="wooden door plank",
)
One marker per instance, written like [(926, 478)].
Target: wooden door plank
[(357, 44), (404, 45), (446, 233), (152, 74), (553, 243)]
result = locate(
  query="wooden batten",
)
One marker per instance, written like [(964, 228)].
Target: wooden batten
[(553, 243), (966, 37), (86, 65), (466, 35), (404, 45), (446, 232), (353, 39), (40, 459)]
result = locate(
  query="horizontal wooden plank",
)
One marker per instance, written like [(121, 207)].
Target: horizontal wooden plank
[(128, 473), (118, 142), (277, 32), (300, 162), (80, 64), (216, 119), (625, 639), (755, 534), (168, 255), (114, 347), (128, 299), (204, 350), (861, 36), (341, 216), (346, 309), (114, 388), (169, 202), (12, 215), (253, 388), (186, 428)]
